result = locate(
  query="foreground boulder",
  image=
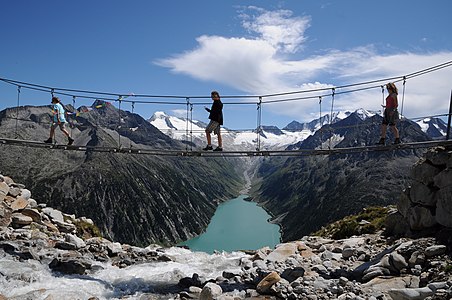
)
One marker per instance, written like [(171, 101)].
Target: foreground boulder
[(425, 207)]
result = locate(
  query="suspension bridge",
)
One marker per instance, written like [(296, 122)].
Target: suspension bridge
[(258, 100)]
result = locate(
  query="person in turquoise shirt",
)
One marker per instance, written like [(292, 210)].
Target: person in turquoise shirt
[(58, 120)]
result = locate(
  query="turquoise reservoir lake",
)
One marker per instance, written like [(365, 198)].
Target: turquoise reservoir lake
[(237, 225)]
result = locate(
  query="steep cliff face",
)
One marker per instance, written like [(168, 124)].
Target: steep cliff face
[(132, 198), (306, 193)]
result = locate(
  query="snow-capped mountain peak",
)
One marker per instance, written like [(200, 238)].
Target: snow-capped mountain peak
[(433, 127), (270, 137)]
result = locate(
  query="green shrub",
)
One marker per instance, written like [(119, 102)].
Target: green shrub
[(448, 269), (87, 230), (374, 218)]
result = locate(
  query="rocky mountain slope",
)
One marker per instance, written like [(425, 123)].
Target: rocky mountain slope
[(307, 192), (136, 199)]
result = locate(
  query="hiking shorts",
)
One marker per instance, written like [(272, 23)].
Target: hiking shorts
[(213, 126), (62, 125), (391, 115)]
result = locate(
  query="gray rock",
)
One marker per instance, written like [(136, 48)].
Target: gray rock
[(26, 194), (4, 189), (443, 179), (267, 282), (374, 272), (292, 274), (73, 239), (282, 252), (19, 203), (195, 290), (410, 294), (20, 219), (210, 291), (420, 218), (396, 225), (348, 252), (54, 215), (87, 220), (14, 191), (434, 286), (424, 172), (71, 266), (5, 215), (65, 227), (114, 249), (438, 156), (32, 213), (397, 261), (417, 258), (435, 250), (190, 281), (65, 245), (422, 194), (444, 206), (404, 203)]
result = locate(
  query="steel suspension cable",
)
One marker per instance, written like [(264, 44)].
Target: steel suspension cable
[(396, 78)]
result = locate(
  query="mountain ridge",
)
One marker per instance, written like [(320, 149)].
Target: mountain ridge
[(272, 137)]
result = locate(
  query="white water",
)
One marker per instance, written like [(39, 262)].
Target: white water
[(33, 280)]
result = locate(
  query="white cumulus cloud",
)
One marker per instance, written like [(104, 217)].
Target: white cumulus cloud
[(261, 64)]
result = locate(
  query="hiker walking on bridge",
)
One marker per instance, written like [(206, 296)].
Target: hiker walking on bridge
[(391, 115), (58, 120), (216, 120)]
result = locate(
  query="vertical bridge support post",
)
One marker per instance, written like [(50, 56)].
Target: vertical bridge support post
[(449, 117)]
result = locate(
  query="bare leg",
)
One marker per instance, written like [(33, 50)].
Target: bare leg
[(65, 132), (220, 140), (52, 132), (383, 130), (209, 138), (395, 131)]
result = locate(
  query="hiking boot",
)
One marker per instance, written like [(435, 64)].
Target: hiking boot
[(396, 141), (218, 149), (48, 141), (207, 148), (70, 140), (381, 142)]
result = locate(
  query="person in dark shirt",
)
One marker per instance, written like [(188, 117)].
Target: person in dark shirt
[(216, 120)]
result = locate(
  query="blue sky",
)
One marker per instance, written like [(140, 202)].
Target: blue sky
[(188, 48)]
